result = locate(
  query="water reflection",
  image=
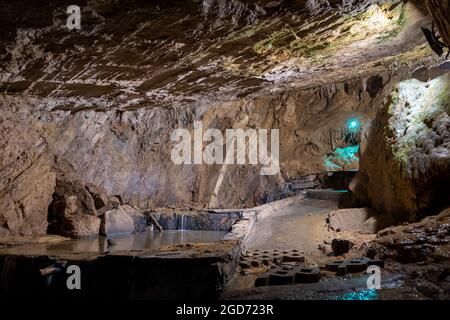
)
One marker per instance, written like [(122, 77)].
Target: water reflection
[(136, 242)]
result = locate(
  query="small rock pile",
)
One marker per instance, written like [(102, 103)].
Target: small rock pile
[(425, 240), (81, 210)]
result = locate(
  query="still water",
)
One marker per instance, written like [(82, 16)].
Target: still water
[(151, 240)]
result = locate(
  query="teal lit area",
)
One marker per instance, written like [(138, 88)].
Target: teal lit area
[(353, 124), (341, 158), (363, 295)]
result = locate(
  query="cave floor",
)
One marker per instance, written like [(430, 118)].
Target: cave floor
[(301, 226)]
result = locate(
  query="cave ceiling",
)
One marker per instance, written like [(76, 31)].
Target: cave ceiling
[(139, 54)]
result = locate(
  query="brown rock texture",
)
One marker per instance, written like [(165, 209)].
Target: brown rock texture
[(363, 220), (75, 190), (106, 98), (79, 226), (440, 10), (27, 179), (405, 166), (420, 252), (24, 202), (117, 221), (98, 195)]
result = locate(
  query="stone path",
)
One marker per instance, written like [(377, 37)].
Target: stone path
[(301, 225)]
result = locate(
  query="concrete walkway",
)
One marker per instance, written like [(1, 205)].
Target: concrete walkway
[(300, 225)]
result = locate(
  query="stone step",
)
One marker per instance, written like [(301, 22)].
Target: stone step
[(326, 194)]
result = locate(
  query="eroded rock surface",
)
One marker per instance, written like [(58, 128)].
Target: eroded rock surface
[(79, 226), (440, 9), (105, 99), (115, 90), (24, 202), (405, 165), (420, 251)]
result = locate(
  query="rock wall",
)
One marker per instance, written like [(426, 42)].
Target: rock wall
[(105, 99), (128, 152), (440, 10), (27, 180), (405, 166)]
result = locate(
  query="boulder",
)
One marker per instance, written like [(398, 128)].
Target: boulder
[(113, 202), (63, 206), (140, 221), (363, 220), (341, 246), (98, 194), (79, 226), (116, 221), (67, 186)]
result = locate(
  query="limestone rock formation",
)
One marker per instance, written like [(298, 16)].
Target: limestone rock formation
[(405, 167), (73, 194), (24, 202), (78, 209), (363, 220), (426, 240), (27, 180), (140, 221), (79, 226), (98, 195), (72, 213), (440, 10), (123, 220), (106, 98)]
